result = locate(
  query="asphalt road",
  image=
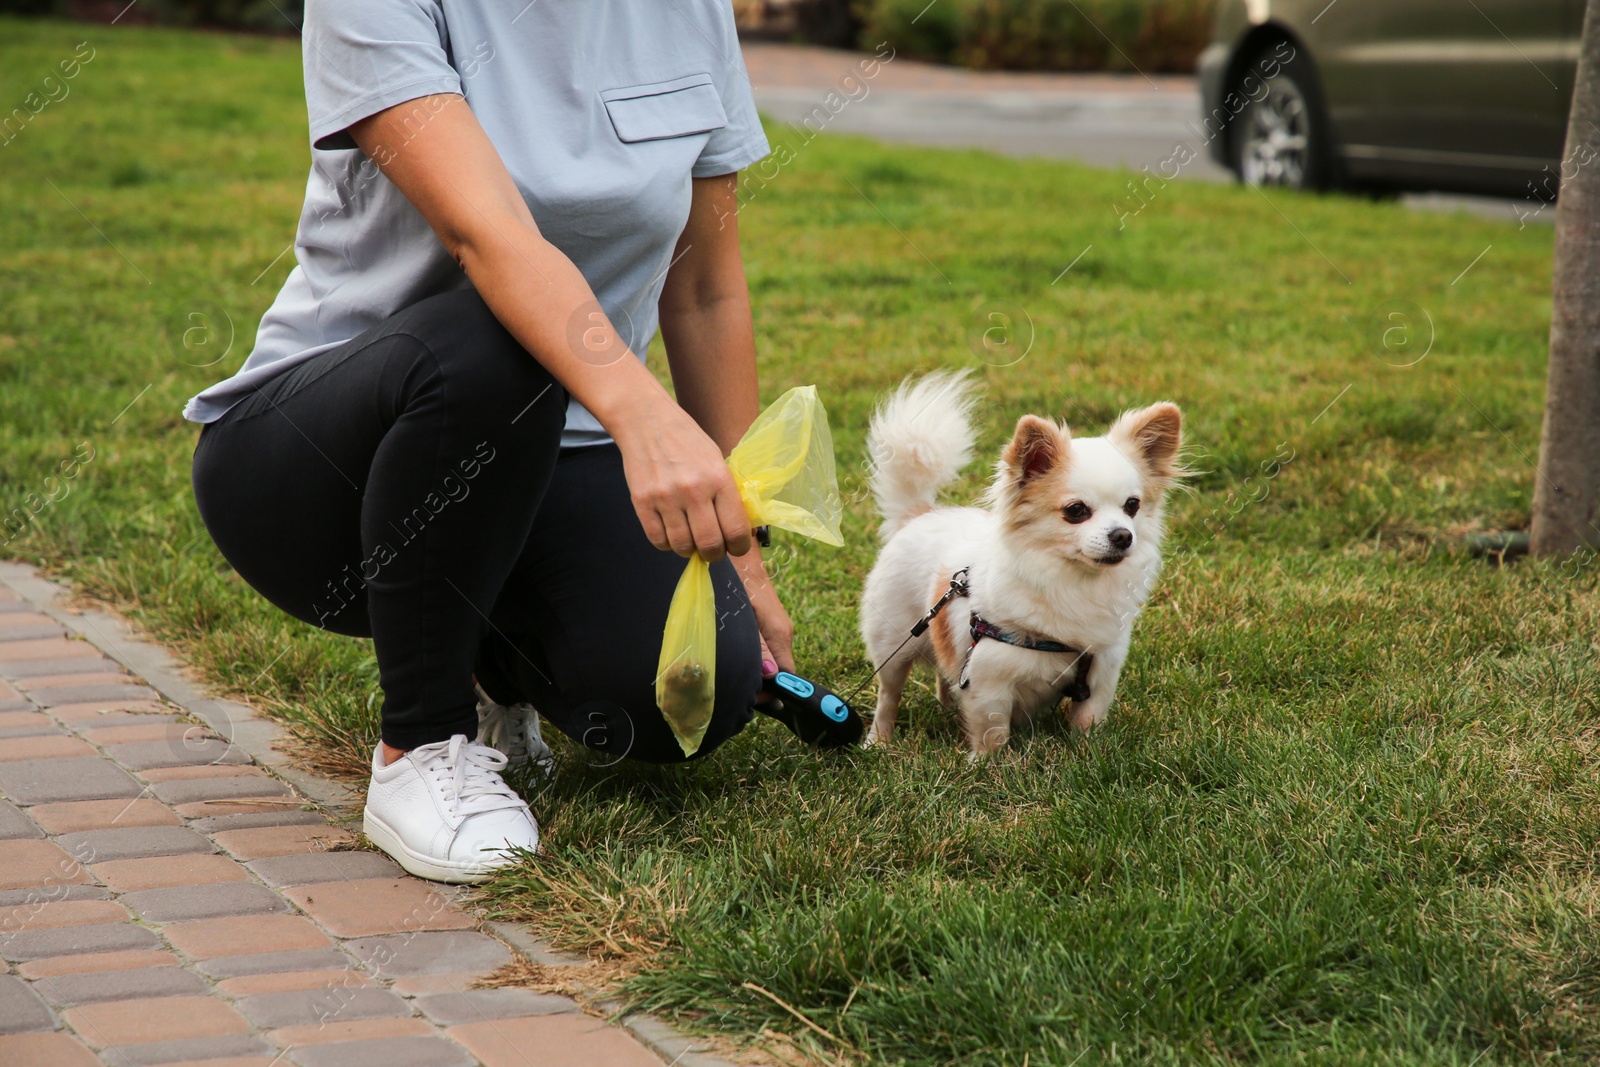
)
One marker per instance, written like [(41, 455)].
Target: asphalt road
[(1107, 120)]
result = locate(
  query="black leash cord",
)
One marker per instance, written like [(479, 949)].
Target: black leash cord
[(958, 587)]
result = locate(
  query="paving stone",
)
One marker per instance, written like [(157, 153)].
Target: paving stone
[(138, 755), (49, 915), (164, 871), (225, 1048), (249, 985), (351, 1030), (21, 1009), (310, 867), (176, 732), (388, 1052), (94, 962), (44, 781), (69, 990), (273, 963), (106, 712), (135, 842), (186, 902), (47, 648), (256, 819), (41, 748), (27, 724), (8, 692), (232, 787), (78, 815), (423, 985), (35, 668), (14, 824), (429, 952), (562, 1041), (245, 935), (32, 631), (305, 1007), (14, 623), (28, 863), (113, 719), (141, 1021), (281, 840), (379, 906), (59, 891), (240, 806), (83, 694), (45, 1050), (234, 1061), (45, 728), (75, 940), (476, 1005), (54, 681), (216, 770)]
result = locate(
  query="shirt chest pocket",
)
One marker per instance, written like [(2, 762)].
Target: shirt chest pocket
[(659, 110)]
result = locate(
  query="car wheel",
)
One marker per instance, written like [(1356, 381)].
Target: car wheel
[(1280, 136)]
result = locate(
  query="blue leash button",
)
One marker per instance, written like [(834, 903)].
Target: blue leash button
[(796, 685)]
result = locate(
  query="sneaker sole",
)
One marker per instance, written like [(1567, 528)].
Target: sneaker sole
[(416, 863)]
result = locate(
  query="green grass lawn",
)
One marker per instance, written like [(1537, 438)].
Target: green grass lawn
[(1347, 808)]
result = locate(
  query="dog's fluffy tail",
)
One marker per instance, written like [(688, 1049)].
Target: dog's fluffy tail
[(921, 437)]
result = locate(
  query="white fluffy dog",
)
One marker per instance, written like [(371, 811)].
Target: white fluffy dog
[(1049, 573)]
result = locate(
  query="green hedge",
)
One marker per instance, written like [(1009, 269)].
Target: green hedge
[(272, 16), (1119, 35)]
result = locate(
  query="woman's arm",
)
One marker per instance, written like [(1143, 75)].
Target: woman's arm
[(705, 316), (437, 154), (705, 323)]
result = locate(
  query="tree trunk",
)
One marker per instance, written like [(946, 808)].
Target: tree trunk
[(1566, 496)]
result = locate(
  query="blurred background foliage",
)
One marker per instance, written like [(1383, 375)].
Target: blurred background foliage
[(263, 16), (1151, 36), (1148, 35), (1114, 35)]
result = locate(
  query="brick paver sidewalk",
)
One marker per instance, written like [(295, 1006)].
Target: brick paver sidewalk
[(164, 899)]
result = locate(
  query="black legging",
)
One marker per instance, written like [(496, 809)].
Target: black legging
[(409, 486)]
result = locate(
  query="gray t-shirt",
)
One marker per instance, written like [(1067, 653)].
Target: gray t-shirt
[(601, 109)]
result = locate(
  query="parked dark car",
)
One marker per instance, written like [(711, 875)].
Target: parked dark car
[(1389, 95)]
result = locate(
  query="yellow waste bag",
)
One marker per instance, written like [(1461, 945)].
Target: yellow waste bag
[(784, 470)]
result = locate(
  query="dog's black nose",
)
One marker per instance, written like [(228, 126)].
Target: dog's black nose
[(1120, 538)]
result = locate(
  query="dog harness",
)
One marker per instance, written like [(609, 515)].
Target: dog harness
[(1076, 689)]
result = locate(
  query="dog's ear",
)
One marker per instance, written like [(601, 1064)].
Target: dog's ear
[(1153, 435), (1036, 448)]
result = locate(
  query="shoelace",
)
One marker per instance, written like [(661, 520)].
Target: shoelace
[(470, 772), (505, 728), (509, 727)]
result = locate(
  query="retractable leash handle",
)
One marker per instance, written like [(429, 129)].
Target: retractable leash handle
[(814, 713)]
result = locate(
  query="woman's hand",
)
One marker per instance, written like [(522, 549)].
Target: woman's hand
[(682, 489), (777, 632)]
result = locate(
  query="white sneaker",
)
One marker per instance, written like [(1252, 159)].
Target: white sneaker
[(513, 730), (443, 812)]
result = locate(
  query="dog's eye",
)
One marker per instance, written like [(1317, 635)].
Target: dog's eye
[(1132, 506), (1076, 512)]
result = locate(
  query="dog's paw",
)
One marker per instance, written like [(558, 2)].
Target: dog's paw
[(1084, 717)]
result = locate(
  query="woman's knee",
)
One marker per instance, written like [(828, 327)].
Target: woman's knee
[(633, 727)]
